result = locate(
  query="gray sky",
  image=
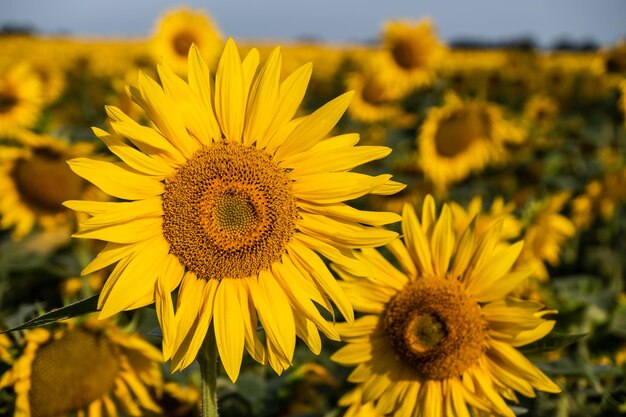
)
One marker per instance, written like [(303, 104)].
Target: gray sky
[(334, 20)]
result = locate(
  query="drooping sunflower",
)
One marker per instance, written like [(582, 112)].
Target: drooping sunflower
[(413, 51), (231, 200), (92, 368), (178, 30), (462, 137), (35, 181), (439, 335), (21, 98)]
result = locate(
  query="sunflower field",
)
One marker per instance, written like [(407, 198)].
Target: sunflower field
[(195, 225)]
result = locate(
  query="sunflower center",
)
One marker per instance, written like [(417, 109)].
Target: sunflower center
[(408, 54), (7, 101), (182, 43), (44, 180), (71, 372), (229, 212), (436, 328), (459, 130), (373, 92)]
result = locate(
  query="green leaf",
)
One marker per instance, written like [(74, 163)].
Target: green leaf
[(553, 341), (79, 308)]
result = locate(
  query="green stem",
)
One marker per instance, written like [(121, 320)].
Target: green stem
[(207, 357)]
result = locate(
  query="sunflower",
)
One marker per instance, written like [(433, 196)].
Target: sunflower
[(35, 181), (461, 137), (546, 232), (231, 199), (540, 111), (178, 30), (412, 50), (599, 198), (377, 97), (21, 98), (107, 370), (439, 336)]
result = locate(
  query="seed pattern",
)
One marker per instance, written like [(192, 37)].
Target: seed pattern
[(229, 212), (436, 328), (59, 386)]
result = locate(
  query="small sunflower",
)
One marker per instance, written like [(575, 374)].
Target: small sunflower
[(178, 30), (540, 111), (545, 234), (461, 137), (92, 369), (376, 98), (599, 198), (439, 336), (413, 50), (21, 98), (231, 200), (35, 181)]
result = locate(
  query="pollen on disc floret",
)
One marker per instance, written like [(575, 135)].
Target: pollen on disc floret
[(229, 212)]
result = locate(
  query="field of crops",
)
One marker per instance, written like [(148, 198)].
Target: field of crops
[(401, 228)]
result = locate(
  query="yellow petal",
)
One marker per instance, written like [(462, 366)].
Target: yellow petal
[(342, 211), (442, 242), (132, 157), (116, 180), (263, 101), (292, 91), (416, 242), (335, 187), (200, 82), (350, 235), (229, 327), (314, 127), (335, 160), (230, 93)]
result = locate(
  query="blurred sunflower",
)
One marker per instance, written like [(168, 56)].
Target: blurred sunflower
[(439, 336), (376, 98), (599, 198), (540, 111), (35, 180), (178, 401), (461, 137), (546, 232), (92, 369), (231, 199), (21, 98), (52, 78), (178, 30), (412, 50)]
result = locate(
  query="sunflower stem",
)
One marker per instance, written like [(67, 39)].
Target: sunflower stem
[(207, 357)]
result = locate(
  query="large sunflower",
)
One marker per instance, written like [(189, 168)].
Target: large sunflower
[(231, 200), (92, 369), (178, 30), (438, 336), (21, 98), (461, 137), (35, 181), (413, 50)]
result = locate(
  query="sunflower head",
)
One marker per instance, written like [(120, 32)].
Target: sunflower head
[(177, 30), (463, 137), (231, 200), (413, 51), (36, 180), (21, 98), (106, 367), (439, 333)]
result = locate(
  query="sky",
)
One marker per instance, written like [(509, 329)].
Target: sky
[(547, 21)]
